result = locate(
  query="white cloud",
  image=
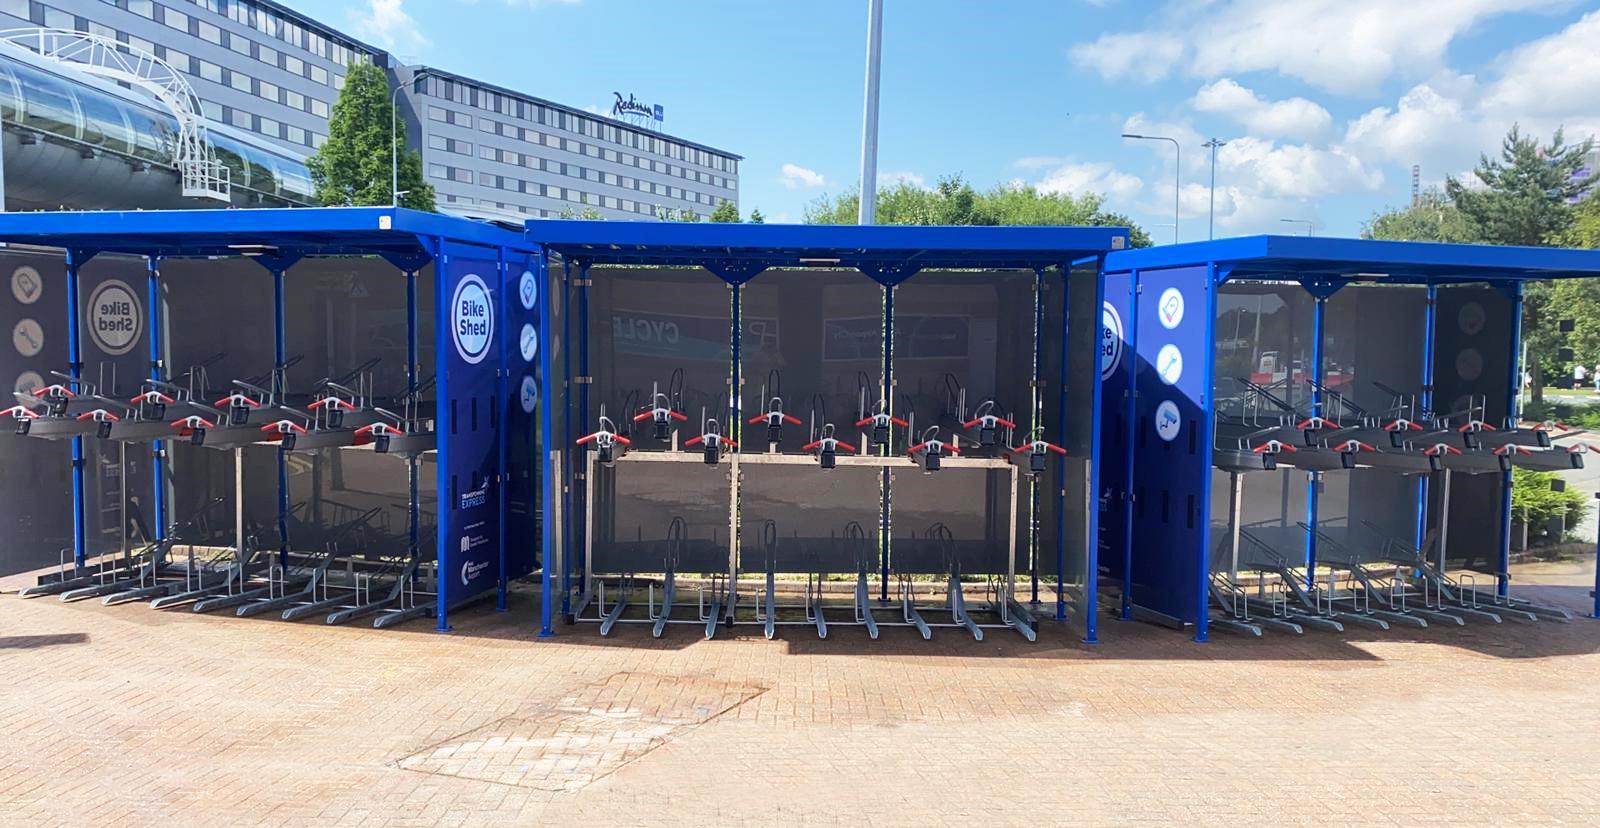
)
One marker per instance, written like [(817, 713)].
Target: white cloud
[(890, 179), (796, 177), (1296, 170), (1423, 124), (1144, 56), (1289, 118), (1339, 45), (1098, 177), (1037, 162), (1554, 78), (386, 23)]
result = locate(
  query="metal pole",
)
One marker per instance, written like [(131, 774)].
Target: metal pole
[(502, 402), (394, 139), (1595, 612), (278, 358), (75, 369), (1177, 173), (1211, 220), (547, 403), (887, 390), (1131, 417), (1428, 335), (1503, 575), (1318, 325), (157, 447), (869, 125)]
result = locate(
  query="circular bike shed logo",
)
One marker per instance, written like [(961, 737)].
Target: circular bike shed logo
[(1110, 340), (471, 319), (115, 317)]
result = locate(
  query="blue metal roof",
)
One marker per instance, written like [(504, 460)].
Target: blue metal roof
[(310, 231), (796, 245), (1297, 257)]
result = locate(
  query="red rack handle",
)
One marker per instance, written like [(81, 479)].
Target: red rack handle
[(1508, 448), (1354, 446), (1476, 425), (1316, 422), (57, 390), (284, 427), (193, 421), (1001, 420), (1440, 448), (99, 414), (812, 446), (152, 396), (20, 413), (1275, 447), (333, 401), (1402, 425), (1040, 446), (234, 399), (379, 429), (595, 436)]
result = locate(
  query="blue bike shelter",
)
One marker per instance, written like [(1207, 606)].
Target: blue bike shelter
[(336, 354), (1316, 432), (901, 410)]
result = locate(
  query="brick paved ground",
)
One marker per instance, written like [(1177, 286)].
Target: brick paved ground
[(127, 716)]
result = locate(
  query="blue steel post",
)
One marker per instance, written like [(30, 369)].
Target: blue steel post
[(502, 402), (1202, 630), (1131, 413), (1034, 415), (1513, 386), (736, 346), (888, 401), (441, 362), (579, 528), (413, 541), (547, 478), (278, 358), (157, 447), (1061, 440), (1091, 568), (1428, 334), (75, 259), (1318, 324), (1595, 613), (575, 459)]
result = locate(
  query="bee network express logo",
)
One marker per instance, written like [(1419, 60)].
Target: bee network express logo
[(471, 319)]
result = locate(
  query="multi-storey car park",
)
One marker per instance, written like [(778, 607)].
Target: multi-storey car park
[(263, 79)]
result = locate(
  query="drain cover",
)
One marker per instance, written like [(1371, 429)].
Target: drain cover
[(585, 736)]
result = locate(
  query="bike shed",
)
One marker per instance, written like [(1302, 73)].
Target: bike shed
[(824, 425), (1317, 432), (312, 412)]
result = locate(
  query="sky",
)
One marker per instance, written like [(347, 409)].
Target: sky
[(1324, 105)]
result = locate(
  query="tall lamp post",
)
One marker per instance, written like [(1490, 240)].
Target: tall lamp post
[(1211, 220), (1306, 222), (867, 210), (1177, 174), (394, 138)]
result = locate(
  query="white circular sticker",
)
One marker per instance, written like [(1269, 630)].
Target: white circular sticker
[(1168, 421), (26, 285), (115, 317), (528, 290), (1110, 340), (28, 382), (528, 341), (1169, 364), (471, 319), (27, 337), (1170, 309), (1471, 318), (528, 395)]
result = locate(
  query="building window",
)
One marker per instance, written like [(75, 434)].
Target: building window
[(319, 74), (208, 70), (294, 65), (294, 134), (239, 43), (268, 127), (293, 99), (241, 119), (175, 20), (240, 81), (208, 32), (267, 55), (267, 91), (439, 171), (143, 8), (319, 108)]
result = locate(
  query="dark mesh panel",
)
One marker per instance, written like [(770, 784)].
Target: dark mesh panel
[(636, 504), (812, 512)]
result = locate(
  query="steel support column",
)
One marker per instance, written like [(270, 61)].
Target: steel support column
[(74, 260), (1429, 333), (1131, 414), (502, 399), (1513, 385), (1091, 568), (548, 489), (1202, 626), (1319, 315), (158, 448)]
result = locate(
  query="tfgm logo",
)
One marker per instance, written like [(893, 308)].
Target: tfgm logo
[(472, 319), (115, 317), (471, 569), (476, 497)]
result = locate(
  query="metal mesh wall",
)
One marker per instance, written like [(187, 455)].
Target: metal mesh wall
[(812, 511)]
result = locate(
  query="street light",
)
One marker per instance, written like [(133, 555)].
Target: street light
[(1211, 221), (394, 138), (1177, 174), (1306, 222)]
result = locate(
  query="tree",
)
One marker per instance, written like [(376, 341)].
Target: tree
[(954, 202), (756, 217), (1585, 229), (1524, 195), (726, 213), (587, 213), (353, 168), (1524, 198), (1434, 218)]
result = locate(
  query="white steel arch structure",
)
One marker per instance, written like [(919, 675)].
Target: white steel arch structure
[(202, 175)]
